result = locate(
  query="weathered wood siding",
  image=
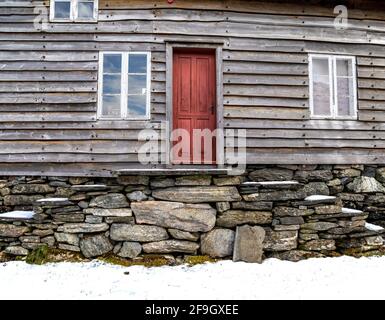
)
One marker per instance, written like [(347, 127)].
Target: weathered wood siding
[(48, 81)]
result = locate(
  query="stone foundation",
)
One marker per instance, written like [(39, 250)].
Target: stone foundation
[(286, 212)]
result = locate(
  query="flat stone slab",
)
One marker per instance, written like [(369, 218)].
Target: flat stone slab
[(248, 245), (83, 227), (233, 218), (137, 233), (170, 246), (124, 212), (175, 215), (198, 194), (89, 187), (53, 202), (252, 187)]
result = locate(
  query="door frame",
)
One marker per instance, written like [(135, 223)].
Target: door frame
[(170, 46)]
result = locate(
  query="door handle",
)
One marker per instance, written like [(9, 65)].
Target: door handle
[(212, 110)]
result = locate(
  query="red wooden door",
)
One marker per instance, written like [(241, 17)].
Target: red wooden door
[(194, 106)]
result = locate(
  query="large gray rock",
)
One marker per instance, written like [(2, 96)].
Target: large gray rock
[(110, 201), (233, 218), (124, 212), (130, 250), (280, 240), (83, 227), (198, 194), (32, 189), (183, 235), (137, 233), (193, 181), (12, 231), (69, 238), (176, 215), (170, 246), (95, 246), (16, 251), (248, 244), (366, 185), (271, 174), (218, 243)]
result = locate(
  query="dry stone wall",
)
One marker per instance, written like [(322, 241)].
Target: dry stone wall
[(286, 212)]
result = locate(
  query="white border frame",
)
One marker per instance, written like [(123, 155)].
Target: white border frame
[(124, 86), (332, 58), (73, 12)]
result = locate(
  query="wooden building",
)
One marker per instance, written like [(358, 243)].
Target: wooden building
[(79, 79)]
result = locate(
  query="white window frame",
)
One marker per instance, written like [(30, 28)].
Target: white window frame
[(73, 12), (124, 86), (332, 59)]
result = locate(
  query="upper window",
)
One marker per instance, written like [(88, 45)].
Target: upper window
[(124, 85), (74, 10), (333, 87)]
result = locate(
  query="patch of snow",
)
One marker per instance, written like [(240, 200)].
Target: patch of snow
[(52, 200), (319, 197), (373, 227), (267, 183), (326, 278), (351, 211), (17, 215)]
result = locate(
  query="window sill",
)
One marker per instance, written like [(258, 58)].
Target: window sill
[(73, 21), (123, 119), (333, 118)]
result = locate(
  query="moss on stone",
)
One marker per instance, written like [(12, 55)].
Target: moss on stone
[(59, 255), (38, 256), (44, 254), (146, 261), (195, 260)]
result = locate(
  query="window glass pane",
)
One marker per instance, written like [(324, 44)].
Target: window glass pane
[(137, 63), (344, 68), (137, 84), (345, 96), (112, 63), (85, 10), (137, 106), (62, 10), (321, 87), (111, 106), (111, 84)]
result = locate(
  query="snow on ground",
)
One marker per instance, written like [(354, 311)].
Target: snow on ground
[(329, 278)]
